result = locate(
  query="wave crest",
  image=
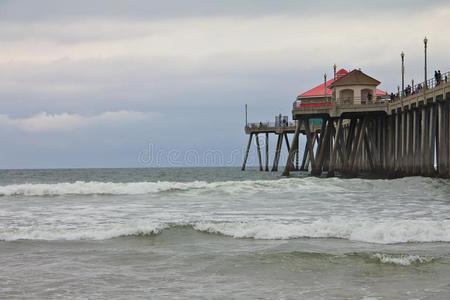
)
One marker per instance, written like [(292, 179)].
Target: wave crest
[(94, 187), (382, 232), (402, 260)]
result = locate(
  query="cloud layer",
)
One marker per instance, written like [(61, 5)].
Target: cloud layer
[(45, 122)]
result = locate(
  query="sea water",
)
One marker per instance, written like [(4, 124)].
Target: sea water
[(219, 233)]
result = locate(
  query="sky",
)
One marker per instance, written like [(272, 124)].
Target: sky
[(152, 83)]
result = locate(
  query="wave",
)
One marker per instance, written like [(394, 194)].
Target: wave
[(70, 234), (382, 232), (402, 260), (137, 188), (304, 185), (94, 187)]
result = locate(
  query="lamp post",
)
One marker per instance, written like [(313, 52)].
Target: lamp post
[(246, 122), (402, 55), (425, 42), (325, 86), (333, 96)]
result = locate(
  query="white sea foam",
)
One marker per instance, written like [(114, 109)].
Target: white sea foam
[(93, 187), (305, 185), (136, 188), (53, 233), (402, 260), (382, 232)]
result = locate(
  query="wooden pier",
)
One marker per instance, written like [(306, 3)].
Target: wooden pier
[(408, 136), (363, 132)]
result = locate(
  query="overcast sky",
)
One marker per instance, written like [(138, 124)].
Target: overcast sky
[(105, 83)]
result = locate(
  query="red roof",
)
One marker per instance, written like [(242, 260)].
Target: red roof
[(318, 91)]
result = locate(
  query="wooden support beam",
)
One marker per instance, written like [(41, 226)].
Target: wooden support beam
[(443, 167), (288, 146), (414, 141), (259, 152), (267, 152), (276, 158), (368, 150), (407, 152), (247, 151), (356, 146), (297, 154), (423, 142), (329, 147), (322, 147), (351, 135), (337, 144), (311, 137), (291, 154), (373, 150), (305, 157), (432, 141), (397, 137)]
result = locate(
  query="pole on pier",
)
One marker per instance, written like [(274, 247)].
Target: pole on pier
[(246, 116), (246, 152), (402, 55), (425, 42)]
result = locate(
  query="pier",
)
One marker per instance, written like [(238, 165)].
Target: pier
[(352, 129), (408, 136)]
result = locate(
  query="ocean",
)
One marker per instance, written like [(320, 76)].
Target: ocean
[(219, 233)]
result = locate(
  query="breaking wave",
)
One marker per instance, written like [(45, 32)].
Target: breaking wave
[(383, 232), (54, 233), (402, 260), (94, 187), (308, 184)]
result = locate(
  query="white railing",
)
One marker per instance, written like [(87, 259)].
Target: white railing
[(265, 125), (431, 84), (361, 100)]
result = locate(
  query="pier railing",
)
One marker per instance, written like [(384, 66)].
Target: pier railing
[(431, 84), (265, 125), (361, 100), (341, 100)]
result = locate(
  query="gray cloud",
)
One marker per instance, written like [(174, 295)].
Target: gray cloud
[(137, 9)]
